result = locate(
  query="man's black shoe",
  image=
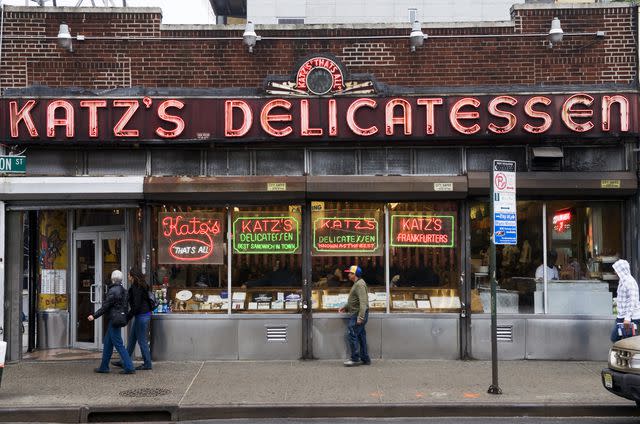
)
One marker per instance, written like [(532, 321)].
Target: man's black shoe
[(143, 368), (101, 371), (117, 364), (128, 372), (366, 363)]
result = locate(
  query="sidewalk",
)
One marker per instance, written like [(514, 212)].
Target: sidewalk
[(72, 392)]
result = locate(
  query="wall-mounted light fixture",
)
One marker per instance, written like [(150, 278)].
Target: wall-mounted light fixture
[(249, 36), (65, 39), (416, 38), (555, 33)]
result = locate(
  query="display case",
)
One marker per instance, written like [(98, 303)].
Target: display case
[(198, 300), (210, 300), (413, 299), (273, 300), (332, 299)]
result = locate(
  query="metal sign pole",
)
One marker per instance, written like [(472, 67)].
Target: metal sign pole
[(504, 231), (494, 388)]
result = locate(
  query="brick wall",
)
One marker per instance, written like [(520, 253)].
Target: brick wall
[(30, 54)]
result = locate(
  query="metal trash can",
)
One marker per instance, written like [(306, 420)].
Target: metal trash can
[(3, 354), (53, 329)]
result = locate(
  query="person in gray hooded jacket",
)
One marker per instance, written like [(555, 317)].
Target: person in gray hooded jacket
[(628, 319)]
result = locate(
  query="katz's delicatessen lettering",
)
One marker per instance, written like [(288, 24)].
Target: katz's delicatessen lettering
[(337, 232), (237, 119), (190, 238), (277, 233)]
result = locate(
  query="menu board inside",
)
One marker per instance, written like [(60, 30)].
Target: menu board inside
[(336, 233), (190, 237), (416, 230), (266, 232)]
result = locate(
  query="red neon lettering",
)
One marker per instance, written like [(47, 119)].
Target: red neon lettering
[(24, 114), (510, 117), (568, 112), (247, 118), (67, 121), (351, 117), (266, 118), (333, 118), (178, 226), (176, 120), (132, 106), (607, 102), (305, 131), (404, 120), (528, 109), (93, 106), (430, 122), (455, 115)]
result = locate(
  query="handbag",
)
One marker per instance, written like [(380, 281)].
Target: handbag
[(118, 318)]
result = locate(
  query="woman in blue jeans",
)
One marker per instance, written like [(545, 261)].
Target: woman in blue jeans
[(140, 311)]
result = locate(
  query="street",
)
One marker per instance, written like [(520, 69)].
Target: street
[(432, 420)]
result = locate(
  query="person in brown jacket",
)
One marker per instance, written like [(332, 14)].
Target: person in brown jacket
[(358, 308)]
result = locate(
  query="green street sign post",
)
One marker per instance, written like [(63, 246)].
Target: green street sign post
[(13, 164)]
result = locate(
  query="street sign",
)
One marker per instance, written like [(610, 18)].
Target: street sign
[(13, 164), (505, 223)]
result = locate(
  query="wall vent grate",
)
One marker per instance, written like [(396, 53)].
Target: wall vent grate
[(505, 333), (276, 333)]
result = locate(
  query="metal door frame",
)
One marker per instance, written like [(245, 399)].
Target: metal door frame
[(97, 236)]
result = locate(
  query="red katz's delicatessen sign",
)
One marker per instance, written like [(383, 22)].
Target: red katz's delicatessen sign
[(375, 118), (318, 102)]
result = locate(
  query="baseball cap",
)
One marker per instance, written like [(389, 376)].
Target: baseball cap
[(354, 269)]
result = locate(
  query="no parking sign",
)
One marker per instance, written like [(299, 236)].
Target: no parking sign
[(505, 222)]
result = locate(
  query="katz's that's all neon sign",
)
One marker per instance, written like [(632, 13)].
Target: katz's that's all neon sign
[(190, 237)]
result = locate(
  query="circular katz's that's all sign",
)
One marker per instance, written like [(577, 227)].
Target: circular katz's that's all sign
[(319, 76)]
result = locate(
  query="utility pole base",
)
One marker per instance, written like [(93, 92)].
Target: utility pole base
[(494, 390)]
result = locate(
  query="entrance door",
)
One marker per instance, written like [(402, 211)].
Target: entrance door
[(95, 256)]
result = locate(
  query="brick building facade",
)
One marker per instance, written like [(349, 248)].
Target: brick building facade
[(144, 124)]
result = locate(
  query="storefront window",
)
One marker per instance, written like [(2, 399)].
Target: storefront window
[(516, 265), (267, 260), (424, 252), (583, 241), (344, 234), (189, 260)]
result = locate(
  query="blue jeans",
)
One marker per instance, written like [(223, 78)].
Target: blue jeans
[(357, 338), (113, 338), (138, 333), (614, 331)]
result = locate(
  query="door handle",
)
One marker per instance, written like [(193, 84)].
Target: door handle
[(92, 292)]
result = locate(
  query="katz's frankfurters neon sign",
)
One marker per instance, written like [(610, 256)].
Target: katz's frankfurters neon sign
[(190, 237), (414, 230), (420, 118)]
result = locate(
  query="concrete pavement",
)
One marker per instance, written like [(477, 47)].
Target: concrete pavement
[(71, 392)]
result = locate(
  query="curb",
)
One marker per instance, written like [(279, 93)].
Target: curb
[(150, 413)]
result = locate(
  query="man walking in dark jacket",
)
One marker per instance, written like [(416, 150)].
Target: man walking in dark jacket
[(115, 303)]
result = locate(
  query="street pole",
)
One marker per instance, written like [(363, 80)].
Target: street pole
[(494, 389)]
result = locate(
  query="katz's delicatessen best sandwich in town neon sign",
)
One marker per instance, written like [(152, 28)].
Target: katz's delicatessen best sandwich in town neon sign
[(102, 120)]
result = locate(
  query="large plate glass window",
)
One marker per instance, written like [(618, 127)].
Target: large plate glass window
[(267, 261), (424, 251), (189, 259), (344, 234)]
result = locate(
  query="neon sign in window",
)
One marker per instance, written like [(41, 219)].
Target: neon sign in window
[(334, 234), (275, 233), (190, 237), (422, 230)]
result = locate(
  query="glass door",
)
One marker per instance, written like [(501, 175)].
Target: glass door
[(95, 256)]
